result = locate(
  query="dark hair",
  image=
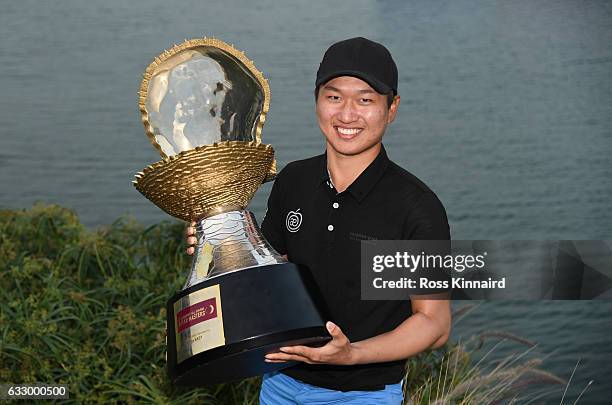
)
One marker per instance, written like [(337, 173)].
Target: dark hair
[(390, 96)]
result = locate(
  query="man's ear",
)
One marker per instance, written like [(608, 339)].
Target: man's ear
[(393, 109)]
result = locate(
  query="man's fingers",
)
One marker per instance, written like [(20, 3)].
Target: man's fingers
[(191, 240), (336, 333), (303, 351), (190, 230), (284, 357)]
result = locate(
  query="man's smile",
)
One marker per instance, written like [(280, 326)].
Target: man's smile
[(346, 132)]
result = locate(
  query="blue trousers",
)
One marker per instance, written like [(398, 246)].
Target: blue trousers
[(280, 389)]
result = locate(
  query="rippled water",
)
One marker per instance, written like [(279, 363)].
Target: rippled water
[(506, 113)]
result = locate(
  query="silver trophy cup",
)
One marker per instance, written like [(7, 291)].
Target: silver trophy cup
[(203, 104)]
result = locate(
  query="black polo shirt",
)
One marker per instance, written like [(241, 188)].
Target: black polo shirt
[(317, 227)]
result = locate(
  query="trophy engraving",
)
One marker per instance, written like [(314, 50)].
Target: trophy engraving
[(203, 104)]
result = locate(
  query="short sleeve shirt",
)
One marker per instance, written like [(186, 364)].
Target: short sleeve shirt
[(321, 229)]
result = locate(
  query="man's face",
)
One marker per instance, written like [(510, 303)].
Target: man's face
[(352, 115)]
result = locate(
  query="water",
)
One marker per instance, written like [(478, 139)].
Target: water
[(506, 113)]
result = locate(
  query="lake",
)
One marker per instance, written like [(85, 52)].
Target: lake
[(506, 114)]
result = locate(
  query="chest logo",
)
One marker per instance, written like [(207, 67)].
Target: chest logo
[(294, 220)]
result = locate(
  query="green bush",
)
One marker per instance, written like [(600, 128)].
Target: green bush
[(87, 309)]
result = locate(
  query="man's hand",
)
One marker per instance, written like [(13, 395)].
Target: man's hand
[(337, 351), (190, 238), (427, 328)]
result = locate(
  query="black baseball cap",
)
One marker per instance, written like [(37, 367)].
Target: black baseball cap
[(359, 57)]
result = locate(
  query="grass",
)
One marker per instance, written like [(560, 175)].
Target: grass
[(86, 308), (452, 375)]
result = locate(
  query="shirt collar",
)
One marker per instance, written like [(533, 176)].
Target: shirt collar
[(364, 183)]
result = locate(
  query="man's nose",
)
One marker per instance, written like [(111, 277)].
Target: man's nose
[(348, 113)]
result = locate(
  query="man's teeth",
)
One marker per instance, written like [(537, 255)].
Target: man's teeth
[(348, 131)]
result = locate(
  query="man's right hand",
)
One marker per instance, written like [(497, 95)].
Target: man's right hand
[(190, 238)]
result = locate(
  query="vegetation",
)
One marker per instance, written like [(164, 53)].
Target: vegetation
[(472, 373), (87, 309)]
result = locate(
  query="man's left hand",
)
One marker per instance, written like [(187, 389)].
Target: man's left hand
[(337, 351)]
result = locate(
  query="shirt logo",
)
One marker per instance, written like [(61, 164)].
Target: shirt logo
[(294, 220)]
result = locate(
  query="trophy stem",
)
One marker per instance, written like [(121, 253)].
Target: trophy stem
[(228, 242)]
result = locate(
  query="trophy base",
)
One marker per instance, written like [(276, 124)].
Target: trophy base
[(251, 312)]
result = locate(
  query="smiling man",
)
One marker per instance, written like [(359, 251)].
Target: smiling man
[(319, 211)]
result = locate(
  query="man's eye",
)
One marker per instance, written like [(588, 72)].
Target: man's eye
[(333, 98), (366, 100)]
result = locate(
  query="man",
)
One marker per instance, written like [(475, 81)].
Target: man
[(318, 212)]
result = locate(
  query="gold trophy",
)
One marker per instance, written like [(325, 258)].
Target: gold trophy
[(203, 105)]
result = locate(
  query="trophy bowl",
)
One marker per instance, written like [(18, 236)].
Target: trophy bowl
[(203, 104)]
